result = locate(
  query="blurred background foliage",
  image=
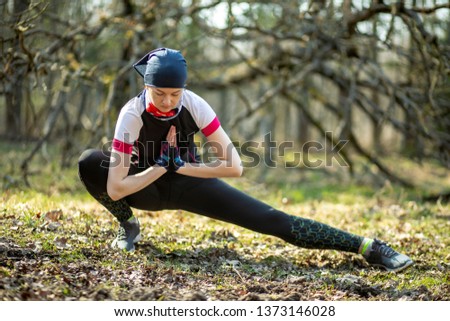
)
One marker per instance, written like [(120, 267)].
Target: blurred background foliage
[(374, 74)]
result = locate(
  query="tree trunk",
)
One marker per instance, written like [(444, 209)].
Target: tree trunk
[(13, 90), (376, 126), (303, 133), (409, 138)]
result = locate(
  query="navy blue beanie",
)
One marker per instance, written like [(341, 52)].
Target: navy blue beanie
[(164, 68)]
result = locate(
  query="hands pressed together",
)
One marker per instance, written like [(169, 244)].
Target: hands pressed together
[(169, 157)]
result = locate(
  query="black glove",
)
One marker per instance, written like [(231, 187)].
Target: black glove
[(175, 161), (169, 158)]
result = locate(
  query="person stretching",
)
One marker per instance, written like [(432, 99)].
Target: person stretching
[(154, 165)]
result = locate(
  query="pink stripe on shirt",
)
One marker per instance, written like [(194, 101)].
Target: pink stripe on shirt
[(122, 147), (212, 127)]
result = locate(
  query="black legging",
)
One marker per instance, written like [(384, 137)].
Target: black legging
[(213, 198)]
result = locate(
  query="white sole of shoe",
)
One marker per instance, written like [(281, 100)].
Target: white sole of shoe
[(137, 238), (408, 264)]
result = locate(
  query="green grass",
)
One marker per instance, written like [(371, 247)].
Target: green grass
[(183, 255)]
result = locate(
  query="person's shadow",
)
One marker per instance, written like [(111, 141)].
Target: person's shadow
[(224, 257)]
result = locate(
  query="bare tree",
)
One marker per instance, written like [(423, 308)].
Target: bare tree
[(66, 67), (16, 69)]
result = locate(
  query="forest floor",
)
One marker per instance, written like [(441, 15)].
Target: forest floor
[(55, 245)]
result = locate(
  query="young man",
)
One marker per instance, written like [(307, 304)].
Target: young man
[(154, 166)]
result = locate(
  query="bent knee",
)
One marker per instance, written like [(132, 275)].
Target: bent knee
[(91, 163), (92, 157)]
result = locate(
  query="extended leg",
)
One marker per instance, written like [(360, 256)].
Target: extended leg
[(218, 200)]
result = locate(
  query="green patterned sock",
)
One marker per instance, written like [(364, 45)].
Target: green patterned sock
[(120, 209), (315, 235)]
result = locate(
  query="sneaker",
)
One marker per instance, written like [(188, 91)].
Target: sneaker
[(129, 233), (382, 255)]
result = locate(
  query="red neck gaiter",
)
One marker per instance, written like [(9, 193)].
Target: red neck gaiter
[(157, 113)]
